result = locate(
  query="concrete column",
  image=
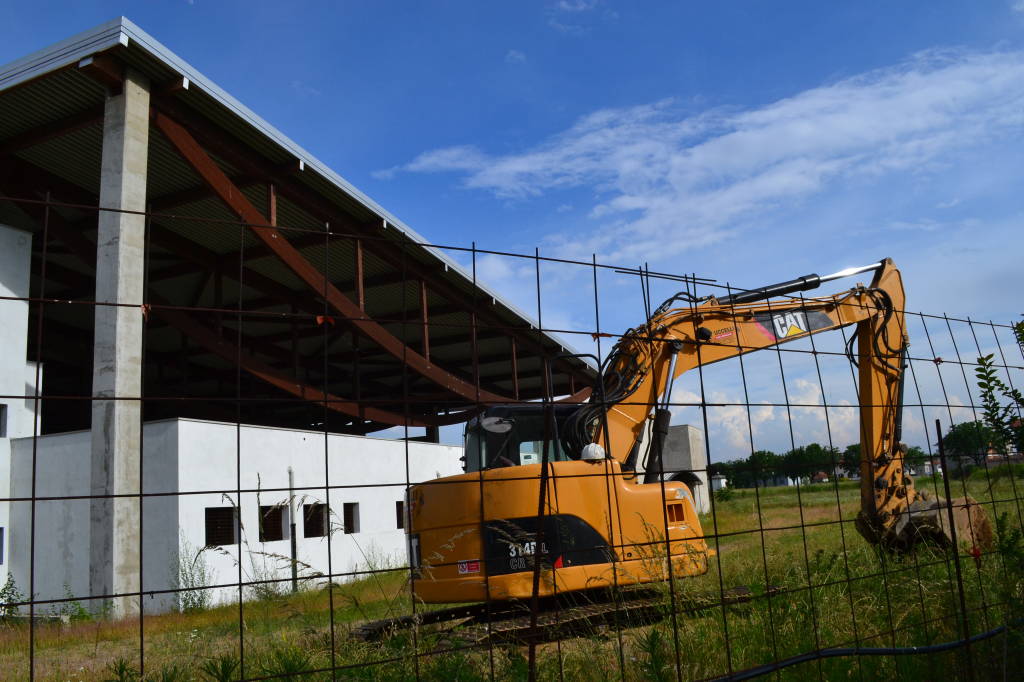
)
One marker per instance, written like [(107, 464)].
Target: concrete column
[(117, 355)]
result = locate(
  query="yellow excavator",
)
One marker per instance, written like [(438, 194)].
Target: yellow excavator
[(562, 497)]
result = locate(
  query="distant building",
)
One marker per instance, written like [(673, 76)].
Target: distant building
[(776, 481), (994, 458), (718, 481), (929, 467), (686, 460)]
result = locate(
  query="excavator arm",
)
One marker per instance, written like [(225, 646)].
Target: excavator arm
[(639, 374)]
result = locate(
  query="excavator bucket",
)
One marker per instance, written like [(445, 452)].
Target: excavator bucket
[(928, 517)]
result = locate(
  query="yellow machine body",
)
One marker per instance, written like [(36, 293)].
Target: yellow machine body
[(601, 530)]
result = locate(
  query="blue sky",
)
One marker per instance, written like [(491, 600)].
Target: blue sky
[(748, 142)]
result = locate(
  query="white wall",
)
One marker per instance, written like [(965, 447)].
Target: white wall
[(62, 525), (334, 470), (160, 473), (17, 379), (190, 465)]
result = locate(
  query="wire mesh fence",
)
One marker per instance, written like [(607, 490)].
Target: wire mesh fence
[(337, 464)]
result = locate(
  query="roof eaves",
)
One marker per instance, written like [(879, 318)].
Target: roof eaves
[(64, 53)]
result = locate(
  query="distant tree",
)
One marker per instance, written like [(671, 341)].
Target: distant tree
[(720, 468), (745, 474), (764, 463), (733, 470), (915, 456), (849, 461), (807, 460), (968, 439)]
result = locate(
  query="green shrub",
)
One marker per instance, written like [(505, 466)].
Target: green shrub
[(222, 668), (9, 595), (654, 655), (121, 670), (999, 471), (72, 608), (286, 660), (724, 494), (192, 574)]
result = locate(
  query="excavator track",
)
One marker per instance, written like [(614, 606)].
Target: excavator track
[(557, 618)]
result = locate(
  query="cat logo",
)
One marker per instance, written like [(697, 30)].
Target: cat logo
[(788, 323)]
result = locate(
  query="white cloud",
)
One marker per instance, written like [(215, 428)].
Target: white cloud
[(579, 5), (667, 180), (571, 16), (465, 158), (515, 57), (729, 421), (924, 225), (1017, 6), (774, 426), (305, 89)]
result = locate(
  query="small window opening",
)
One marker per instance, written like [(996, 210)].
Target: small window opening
[(400, 514), (221, 526), (273, 521), (315, 520), (351, 517)]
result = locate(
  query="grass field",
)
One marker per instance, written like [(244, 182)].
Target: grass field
[(830, 589)]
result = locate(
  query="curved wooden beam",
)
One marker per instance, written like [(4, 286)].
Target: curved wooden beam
[(274, 240)]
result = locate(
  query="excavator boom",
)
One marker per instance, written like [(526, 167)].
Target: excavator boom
[(642, 367)]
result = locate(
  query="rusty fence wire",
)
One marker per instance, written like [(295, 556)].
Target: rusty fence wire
[(245, 513)]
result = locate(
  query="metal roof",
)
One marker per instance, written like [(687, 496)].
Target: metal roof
[(51, 140)]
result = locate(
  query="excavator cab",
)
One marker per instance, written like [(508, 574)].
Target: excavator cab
[(516, 435)]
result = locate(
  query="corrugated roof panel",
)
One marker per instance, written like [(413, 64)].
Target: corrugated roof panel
[(168, 172), (289, 215), (75, 157), (42, 102), (197, 222)]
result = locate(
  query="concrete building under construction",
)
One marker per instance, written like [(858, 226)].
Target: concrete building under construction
[(178, 262)]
